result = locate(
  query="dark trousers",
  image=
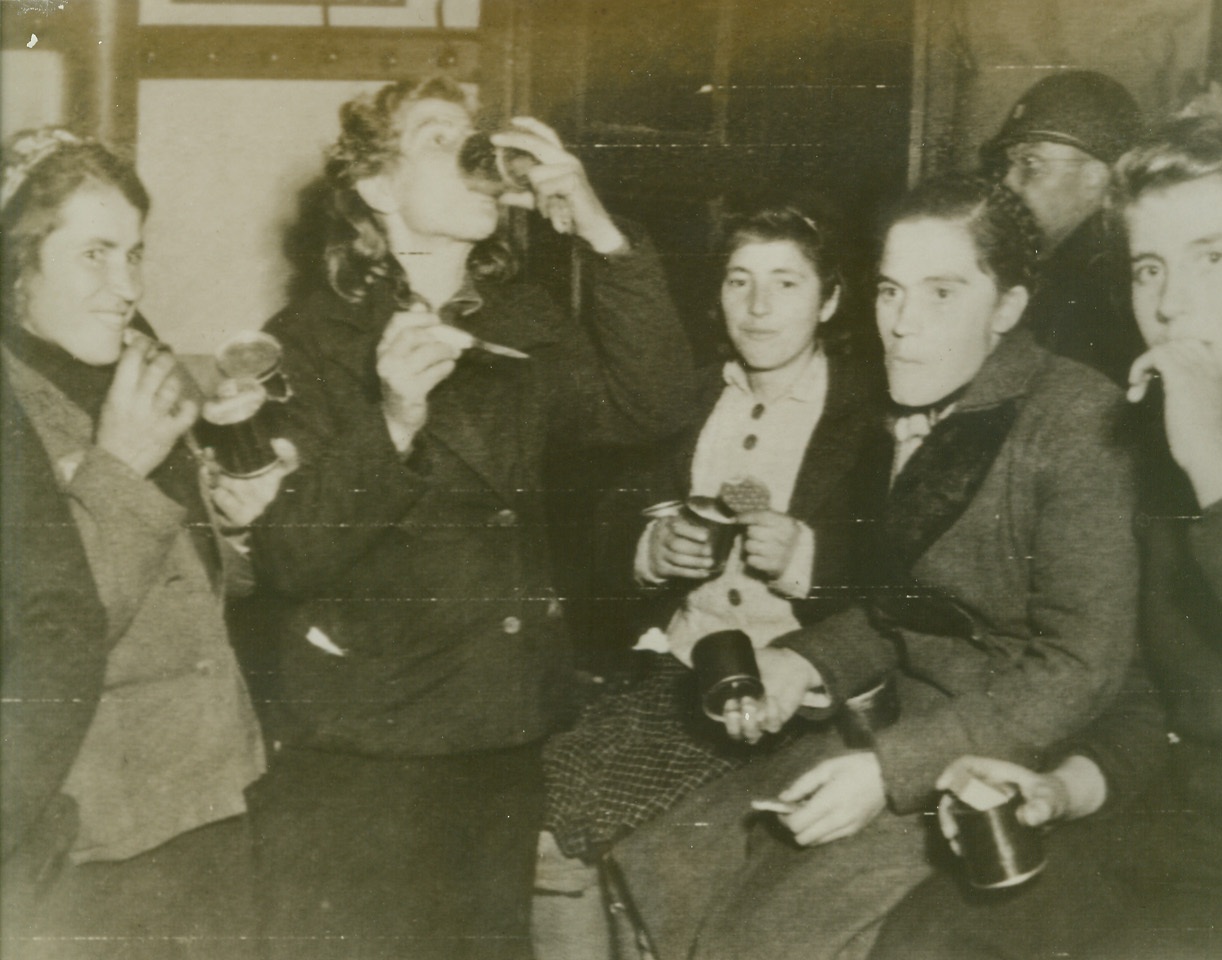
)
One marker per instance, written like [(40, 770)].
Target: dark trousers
[(407, 858), (188, 899)]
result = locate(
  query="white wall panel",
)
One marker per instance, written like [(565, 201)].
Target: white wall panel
[(224, 161)]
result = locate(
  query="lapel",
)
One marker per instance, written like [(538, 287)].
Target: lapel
[(476, 413), (850, 408), (946, 472), (485, 412)]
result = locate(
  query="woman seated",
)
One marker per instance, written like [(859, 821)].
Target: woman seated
[(790, 421), (1147, 847), (1005, 611), (129, 734)]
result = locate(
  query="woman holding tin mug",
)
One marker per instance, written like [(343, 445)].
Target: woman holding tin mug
[(423, 653), (129, 735), (1135, 866), (1005, 611), (791, 431)]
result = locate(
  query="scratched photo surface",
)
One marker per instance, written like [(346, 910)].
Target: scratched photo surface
[(363, 619)]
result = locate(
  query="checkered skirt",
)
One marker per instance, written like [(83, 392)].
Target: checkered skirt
[(634, 752)]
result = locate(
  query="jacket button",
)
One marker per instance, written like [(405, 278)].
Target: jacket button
[(735, 597), (505, 518), (511, 625)]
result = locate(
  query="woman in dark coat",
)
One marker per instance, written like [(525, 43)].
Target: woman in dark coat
[(423, 655)]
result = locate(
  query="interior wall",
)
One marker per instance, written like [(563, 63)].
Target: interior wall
[(33, 82), (224, 161)]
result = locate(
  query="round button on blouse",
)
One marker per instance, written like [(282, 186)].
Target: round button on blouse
[(511, 625), (750, 441), (757, 411), (735, 597)]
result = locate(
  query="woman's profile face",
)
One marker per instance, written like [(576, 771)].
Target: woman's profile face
[(83, 293), (939, 314), (773, 302), (426, 187)]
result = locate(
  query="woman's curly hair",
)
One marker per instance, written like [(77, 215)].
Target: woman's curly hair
[(357, 250)]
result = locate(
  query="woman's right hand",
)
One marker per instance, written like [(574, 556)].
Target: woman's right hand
[(411, 361), (787, 677), (148, 408), (1046, 797), (680, 548)]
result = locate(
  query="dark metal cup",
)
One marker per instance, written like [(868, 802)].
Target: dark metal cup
[(239, 425), (254, 356), (997, 850), (726, 670), (722, 526), (492, 169)]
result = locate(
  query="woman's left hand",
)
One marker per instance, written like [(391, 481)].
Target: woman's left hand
[(560, 189), (769, 541), (839, 797), (241, 501)]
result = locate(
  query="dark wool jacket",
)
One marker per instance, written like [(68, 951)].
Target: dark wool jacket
[(1081, 307), (1014, 515), (431, 577), (1181, 612)]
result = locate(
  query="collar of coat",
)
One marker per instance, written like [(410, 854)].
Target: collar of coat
[(1007, 373), (942, 478), (507, 313)]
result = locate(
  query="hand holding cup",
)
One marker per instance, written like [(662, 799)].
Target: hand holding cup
[(769, 542), (150, 405), (787, 677), (239, 501), (411, 361), (989, 813), (559, 187), (679, 547)]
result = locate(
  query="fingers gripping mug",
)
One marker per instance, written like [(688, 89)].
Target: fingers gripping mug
[(998, 850)]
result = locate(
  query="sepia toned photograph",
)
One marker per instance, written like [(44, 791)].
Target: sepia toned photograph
[(611, 480)]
